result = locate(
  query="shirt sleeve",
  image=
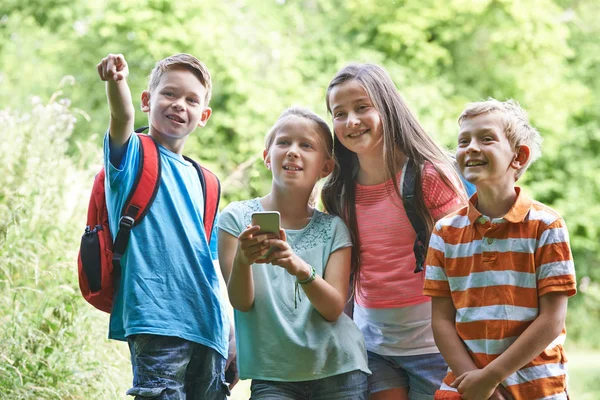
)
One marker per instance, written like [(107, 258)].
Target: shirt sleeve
[(128, 157), (341, 235), (231, 219), (555, 270), (214, 247), (436, 281), (439, 198)]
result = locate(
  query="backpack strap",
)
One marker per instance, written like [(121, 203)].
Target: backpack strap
[(211, 191), (408, 198), (141, 196)]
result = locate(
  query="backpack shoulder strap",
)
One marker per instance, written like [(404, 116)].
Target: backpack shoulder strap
[(142, 195), (211, 191), (408, 198)]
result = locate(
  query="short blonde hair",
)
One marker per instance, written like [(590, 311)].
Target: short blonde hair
[(517, 127), (300, 112), (182, 61)]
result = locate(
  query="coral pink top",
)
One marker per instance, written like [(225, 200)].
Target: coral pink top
[(387, 278)]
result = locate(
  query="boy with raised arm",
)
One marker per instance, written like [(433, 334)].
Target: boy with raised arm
[(168, 305), (500, 269)]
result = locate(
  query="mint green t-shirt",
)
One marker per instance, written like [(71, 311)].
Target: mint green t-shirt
[(275, 340)]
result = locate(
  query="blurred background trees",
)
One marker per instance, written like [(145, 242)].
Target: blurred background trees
[(264, 55)]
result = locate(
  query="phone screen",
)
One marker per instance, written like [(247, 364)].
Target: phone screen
[(269, 221)]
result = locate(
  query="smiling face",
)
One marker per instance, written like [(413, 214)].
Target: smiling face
[(297, 155), (176, 107), (485, 156), (356, 122)]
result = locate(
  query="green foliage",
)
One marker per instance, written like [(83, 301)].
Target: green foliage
[(48, 336), (264, 56)]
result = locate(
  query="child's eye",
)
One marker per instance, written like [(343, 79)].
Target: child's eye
[(282, 142), (193, 101), (168, 94), (338, 114), (307, 145)]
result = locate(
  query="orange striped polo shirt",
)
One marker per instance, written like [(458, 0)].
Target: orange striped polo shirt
[(495, 271)]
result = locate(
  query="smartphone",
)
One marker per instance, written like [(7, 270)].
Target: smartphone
[(269, 221)]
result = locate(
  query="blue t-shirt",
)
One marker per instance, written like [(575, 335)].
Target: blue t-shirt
[(169, 284), (275, 340), (469, 187)]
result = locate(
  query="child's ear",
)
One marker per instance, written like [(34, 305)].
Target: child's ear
[(267, 159), (327, 168), (521, 157), (205, 116), (146, 101)]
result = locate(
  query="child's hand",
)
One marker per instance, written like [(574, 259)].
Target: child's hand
[(284, 256), (113, 67), (501, 393), (251, 246), (475, 385)]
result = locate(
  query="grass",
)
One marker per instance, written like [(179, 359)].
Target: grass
[(584, 373)]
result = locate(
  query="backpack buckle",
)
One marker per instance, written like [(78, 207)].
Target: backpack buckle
[(126, 222)]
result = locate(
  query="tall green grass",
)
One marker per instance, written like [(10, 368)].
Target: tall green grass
[(52, 344)]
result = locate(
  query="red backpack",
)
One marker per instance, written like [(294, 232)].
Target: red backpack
[(99, 261)]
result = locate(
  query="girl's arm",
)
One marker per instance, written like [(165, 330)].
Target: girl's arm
[(236, 256), (327, 295), (238, 276)]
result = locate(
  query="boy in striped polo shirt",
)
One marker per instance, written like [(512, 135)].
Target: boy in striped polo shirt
[(500, 269)]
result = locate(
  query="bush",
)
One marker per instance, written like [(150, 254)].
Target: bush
[(52, 344)]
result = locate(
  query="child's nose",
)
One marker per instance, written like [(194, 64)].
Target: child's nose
[(473, 146), (178, 104), (293, 151), (352, 120)]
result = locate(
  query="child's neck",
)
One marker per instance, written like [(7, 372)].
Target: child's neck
[(173, 145), (495, 201), (293, 208), (372, 168)]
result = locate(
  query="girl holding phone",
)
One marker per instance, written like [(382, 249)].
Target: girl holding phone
[(288, 293)]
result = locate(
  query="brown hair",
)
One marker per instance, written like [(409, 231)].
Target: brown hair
[(182, 61), (517, 128), (402, 135), (301, 112)]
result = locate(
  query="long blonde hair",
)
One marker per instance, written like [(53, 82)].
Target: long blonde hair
[(402, 135)]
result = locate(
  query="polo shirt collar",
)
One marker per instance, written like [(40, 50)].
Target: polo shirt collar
[(517, 212)]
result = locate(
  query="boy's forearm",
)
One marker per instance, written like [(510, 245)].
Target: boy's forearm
[(122, 113), (443, 316), (530, 344), (452, 347)]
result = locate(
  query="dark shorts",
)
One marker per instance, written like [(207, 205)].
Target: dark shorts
[(170, 368)]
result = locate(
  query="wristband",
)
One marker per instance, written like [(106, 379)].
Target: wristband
[(311, 277)]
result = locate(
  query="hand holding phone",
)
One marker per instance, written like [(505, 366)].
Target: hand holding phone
[(269, 222)]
